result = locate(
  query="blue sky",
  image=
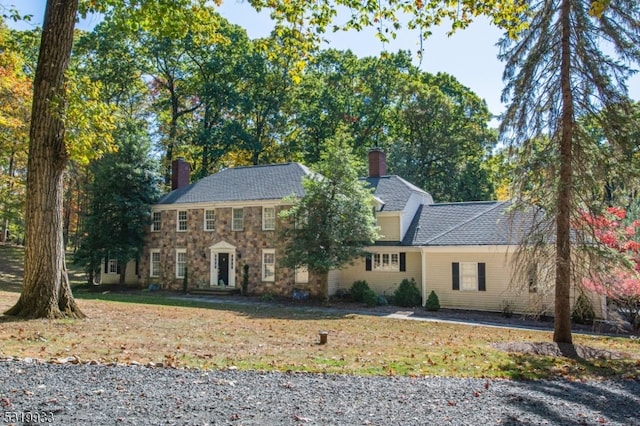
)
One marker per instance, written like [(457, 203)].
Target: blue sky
[(469, 55)]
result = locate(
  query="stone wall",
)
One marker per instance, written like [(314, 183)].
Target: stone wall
[(249, 244)]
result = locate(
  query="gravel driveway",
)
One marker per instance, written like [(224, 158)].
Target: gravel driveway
[(85, 394)]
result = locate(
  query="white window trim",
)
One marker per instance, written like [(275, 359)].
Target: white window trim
[(114, 263), (153, 273), (178, 221), (468, 274), (301, 275), (384, 261), (264, 265), (153, 222), (233, 219), (178, 253), (206, 228), (264, 219)]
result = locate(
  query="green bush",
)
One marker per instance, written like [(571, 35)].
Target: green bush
[(369, 297), (433, 303), (407, 294), (382, 300), (358, 288), (583, 310)]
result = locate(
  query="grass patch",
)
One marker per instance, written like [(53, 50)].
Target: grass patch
[(11, 267), (181, 333)]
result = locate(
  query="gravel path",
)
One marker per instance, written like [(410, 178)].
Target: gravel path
[(85, 394)]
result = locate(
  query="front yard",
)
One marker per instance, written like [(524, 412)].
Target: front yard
[(153, 329)]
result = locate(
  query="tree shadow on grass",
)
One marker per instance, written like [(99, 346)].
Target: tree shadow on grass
[(249, 308)]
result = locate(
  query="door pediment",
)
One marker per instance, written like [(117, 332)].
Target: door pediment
[(222, 246)]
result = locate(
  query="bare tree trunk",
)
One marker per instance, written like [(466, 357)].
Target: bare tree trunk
[(45, 290), (123, 273), (562, 323)]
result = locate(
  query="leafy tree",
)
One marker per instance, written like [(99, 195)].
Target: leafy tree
[(443, 139), (618, 259), (340, 90), (334, 220), (556, 73), (15, 101), (123, 189), (46, 291)]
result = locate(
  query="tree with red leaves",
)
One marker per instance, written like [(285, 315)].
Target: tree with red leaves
[(618, 275)]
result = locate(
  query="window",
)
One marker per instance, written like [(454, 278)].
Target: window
[(182, 220), (302, 275), (181, 263), (112, 266), (209, 220), (268, 218), (156, 221), (386, 261), (237, 219), (389, 262), (154, 263), (468, 276), (268, 265)]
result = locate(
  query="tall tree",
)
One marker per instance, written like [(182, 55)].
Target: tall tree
[(557, 72), (334, 220), (123, 189), (15, 102), (45, 291), (443, 138)]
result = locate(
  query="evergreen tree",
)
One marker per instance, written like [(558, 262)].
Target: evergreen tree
[(334, 220), (124, 187), (556, 73)]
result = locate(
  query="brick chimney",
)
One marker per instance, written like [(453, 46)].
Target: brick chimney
[(377, 162), (180, 171)]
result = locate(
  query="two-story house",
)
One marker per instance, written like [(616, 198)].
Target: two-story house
[(212, 229)]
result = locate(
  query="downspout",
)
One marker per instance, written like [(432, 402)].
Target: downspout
[(424, 274)]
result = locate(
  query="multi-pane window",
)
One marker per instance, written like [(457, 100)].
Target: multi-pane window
[(268, 218), (468, 276), (154, 263), (386, 261), (268, 265), (112, 266), (209, 220), (182, 220), (156, 221), (237, 219), (181, 262)]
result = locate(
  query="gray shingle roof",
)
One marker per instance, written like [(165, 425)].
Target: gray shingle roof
[(469, 223), (265, 182), (393, 191)]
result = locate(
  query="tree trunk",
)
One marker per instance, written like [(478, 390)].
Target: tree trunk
[(45, 290), (324, 286), (562, 323), (123, 273)]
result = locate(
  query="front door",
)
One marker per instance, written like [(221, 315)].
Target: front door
[(223, 268)]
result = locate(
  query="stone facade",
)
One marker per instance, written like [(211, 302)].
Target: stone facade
[(249, 244)]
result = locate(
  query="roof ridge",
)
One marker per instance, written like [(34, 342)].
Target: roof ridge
[(459, 225), (254, 166), (454, 203)]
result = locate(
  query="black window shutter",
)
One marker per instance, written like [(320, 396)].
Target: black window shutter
[(455, 273), (482, 281), (367, 262), (403, 262), (137, 267), (106, 264), (119, 270)]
